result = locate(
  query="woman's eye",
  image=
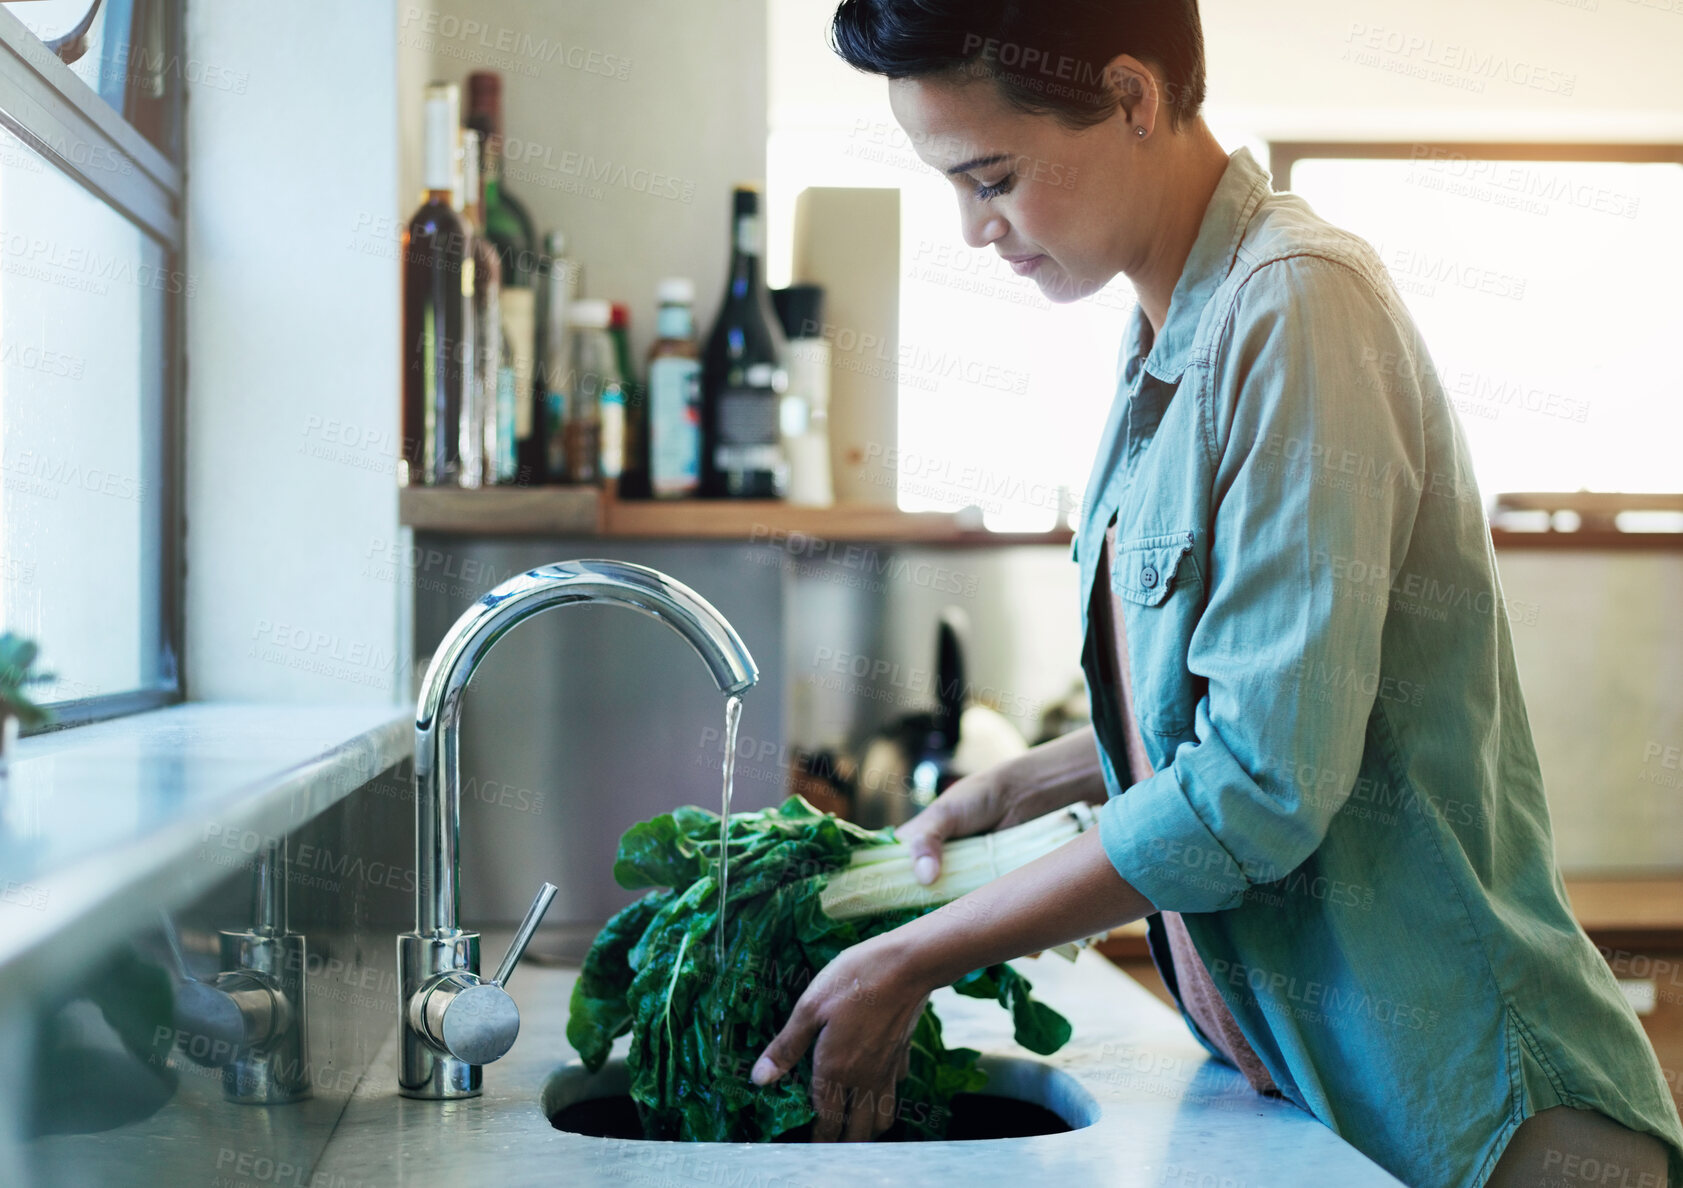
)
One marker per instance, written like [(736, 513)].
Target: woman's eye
[(1002, 186)]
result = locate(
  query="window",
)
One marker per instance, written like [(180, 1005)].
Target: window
[(1544, 280), (92, 286)]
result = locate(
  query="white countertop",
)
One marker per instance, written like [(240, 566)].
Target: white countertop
[(99, 822), (1169, 1115)]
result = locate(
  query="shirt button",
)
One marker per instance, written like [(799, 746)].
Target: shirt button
[(1149, 577)]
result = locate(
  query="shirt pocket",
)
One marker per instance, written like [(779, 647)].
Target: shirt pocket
[(1162, 594)]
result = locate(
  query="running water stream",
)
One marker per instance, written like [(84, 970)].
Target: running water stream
[(733, 715)]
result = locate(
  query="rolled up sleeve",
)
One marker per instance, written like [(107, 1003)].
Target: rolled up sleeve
[(1314, 431)]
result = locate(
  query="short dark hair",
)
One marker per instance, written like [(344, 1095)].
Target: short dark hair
[(1047, 57)]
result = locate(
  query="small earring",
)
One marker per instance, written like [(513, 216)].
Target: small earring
[(1139, 129)]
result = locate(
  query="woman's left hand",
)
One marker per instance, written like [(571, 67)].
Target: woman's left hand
[(862, 1009)]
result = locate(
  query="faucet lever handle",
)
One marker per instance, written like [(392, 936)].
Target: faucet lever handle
[(523, 935)]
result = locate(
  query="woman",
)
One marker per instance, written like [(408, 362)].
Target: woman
[(1321, 783)]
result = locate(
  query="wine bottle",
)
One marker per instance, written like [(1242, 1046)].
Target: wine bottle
[(743, 376), (510, 230), (437, 311), (507, 222)]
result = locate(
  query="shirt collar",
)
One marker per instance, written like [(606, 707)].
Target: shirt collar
[(1243, 186)]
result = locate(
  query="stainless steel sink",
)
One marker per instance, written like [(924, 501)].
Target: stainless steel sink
[(1024, 1098)]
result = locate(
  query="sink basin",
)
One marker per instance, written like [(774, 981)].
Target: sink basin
[(1023, 1098)]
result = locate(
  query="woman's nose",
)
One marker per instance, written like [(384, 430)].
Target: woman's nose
[(980, 227)]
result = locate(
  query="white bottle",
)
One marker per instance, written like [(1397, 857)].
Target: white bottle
[(805, 411)]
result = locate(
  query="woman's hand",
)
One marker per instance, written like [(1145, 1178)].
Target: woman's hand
[(862, 1009), (1048, 777), (975, 804)]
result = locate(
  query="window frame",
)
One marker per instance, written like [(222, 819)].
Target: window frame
[(44, 103), (1284, 154)]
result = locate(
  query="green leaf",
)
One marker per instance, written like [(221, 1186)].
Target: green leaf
[(599, 1012), (1037, 1026), (656, 854)]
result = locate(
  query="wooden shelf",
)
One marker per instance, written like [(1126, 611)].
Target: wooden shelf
[(586, 511), (1629, 913), (499, 511), (1587, 540), (1639, 915)]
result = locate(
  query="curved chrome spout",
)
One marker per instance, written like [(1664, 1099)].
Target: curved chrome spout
[(438, 713), (452, 1020)]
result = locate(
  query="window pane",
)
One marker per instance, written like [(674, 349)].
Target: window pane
[(1003, 394), (126, 54), (83, 304), (1547, 293)]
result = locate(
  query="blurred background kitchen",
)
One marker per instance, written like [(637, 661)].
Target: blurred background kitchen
[(321, 320)]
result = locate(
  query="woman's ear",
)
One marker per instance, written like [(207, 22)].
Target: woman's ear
[(1137, 91)]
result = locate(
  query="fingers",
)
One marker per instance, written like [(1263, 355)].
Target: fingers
[(972, 805), (830, 1104), (866, 1118), (924, 833), (789, 1045), (850, 1114)]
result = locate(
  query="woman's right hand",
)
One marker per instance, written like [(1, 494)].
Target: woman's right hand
[(974, 804), (1048, 777)]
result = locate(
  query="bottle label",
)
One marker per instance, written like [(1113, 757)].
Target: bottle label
[(674, 425), (749, 435), (748, 416), (674, 321), (613, 432), (519, 313), (748, 234), (508, 408)]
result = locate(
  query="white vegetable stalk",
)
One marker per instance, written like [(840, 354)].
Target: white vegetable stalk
[(880, 878)]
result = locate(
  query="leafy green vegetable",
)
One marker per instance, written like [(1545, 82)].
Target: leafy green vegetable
[(17, 659), (697, 1027)]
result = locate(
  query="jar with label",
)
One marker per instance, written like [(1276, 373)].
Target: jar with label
[(675, 394)]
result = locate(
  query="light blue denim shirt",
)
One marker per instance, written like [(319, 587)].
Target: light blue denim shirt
[(1346, 806)]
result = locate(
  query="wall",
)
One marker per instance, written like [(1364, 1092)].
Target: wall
[(609, 141), (1303, 70), (292, 384)]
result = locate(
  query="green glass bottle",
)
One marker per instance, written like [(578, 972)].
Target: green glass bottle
[(509, 228)]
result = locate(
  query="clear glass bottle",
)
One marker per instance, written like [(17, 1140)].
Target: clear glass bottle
[(557, 374), (595, 426), (487, 325)]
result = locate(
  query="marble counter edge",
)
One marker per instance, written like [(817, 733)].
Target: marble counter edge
[(384, 1140), (97, 897)]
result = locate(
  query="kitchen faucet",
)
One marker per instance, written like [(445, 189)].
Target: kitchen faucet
[(453, 1022)]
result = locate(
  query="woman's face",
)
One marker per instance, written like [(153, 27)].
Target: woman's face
[(1065, 207)]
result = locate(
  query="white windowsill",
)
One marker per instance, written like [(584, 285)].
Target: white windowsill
[(99, 821)]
